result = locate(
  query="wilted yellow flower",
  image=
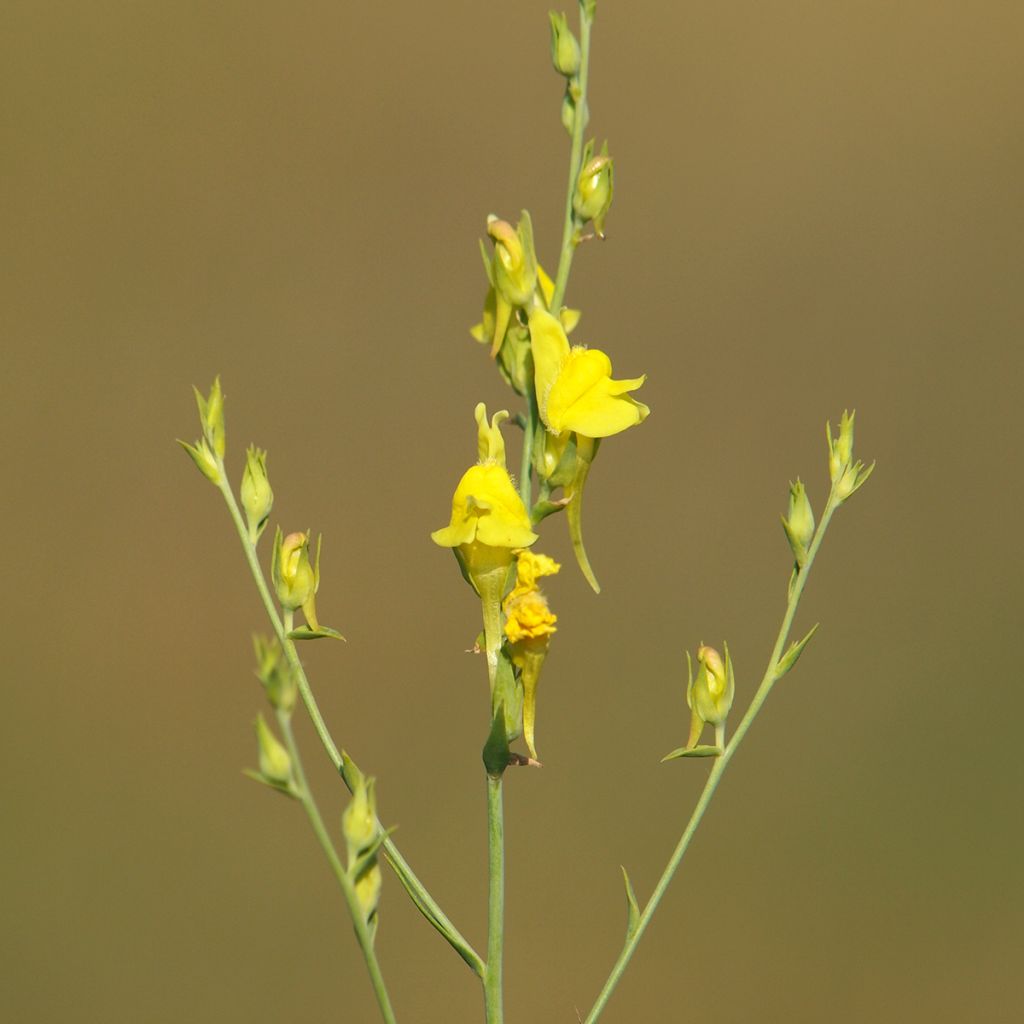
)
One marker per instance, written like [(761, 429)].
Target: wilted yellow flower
[(575, 390), (529, 623)]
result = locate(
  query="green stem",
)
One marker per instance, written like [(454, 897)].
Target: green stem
[(721, 763), (526, 462), (421, 898), (575, 159), (309, 804), (493, 1012)]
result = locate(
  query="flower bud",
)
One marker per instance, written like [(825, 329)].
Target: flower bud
[(274, 673), (368, 885), (565, 48), (295, 578), (211, 416), (257, 497), (799, 525), (711, 693), (275, 762), (359, 819), (513, 271), (568, 112), (594, 188), (847, 475)]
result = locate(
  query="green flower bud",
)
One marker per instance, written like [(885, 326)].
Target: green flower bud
[(359, 819), (568, 112), (594, 188), (295, 578), (211, 416), (368, 885), (515, 261), (711, 693), (565, 49), (847, 475), (257, 497), (275, 762), (799, 525), (274, 673)]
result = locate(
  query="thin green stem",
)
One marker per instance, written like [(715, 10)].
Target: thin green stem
[(526, 462), (308, 801), (721, 763), (493, 1011), (575, 160), (422, 899)]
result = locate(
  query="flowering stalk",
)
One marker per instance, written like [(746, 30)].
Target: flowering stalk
[(778, 665), (417, 892), (575, 157), (363, 934)]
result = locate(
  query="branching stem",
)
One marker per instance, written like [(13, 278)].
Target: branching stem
[(718, 770)]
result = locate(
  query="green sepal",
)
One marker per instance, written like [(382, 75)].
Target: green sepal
[(367, 857), (495, 753), (305, 633), (508, 693), (280, 787), (632, 907), (542, 509), (796, 648), (349, 771), (203, 458), (702, 751), (586, 449)]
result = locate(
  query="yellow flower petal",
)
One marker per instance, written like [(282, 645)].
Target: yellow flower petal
[(486, 508), (575, 390), (586, 400)]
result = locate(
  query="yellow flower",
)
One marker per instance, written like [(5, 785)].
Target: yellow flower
[(526, 608), (575, 390), (488, 522), (529, 623), (486, 507)]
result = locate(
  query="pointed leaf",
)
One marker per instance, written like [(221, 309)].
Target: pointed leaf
[(305, 633), (789, 659), (278, 787), (701, 751), (632, 907)]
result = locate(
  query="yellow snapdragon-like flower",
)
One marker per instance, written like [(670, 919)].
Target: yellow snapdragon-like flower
[(488, 523), (486, 507), (529, 623), (575, 390)]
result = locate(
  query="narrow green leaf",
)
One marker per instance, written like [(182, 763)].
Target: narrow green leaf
[(796, 648), (632, 907), (305, 633), (700, 751), (270, 784)]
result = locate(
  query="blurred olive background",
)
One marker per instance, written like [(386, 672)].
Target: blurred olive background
[(818, 205)]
